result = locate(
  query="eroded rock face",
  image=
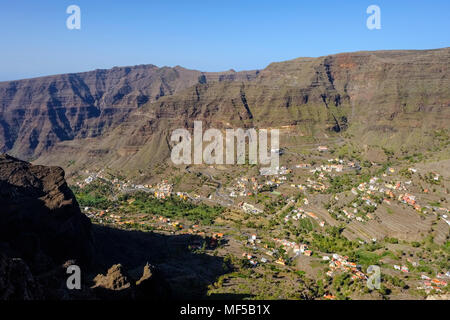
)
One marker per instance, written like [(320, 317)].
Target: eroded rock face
[(391, 99), (40, 215), (118, 284), (41, 227), (38, 112), (115, 279)]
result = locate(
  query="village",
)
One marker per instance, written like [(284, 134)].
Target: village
[(284, 202)]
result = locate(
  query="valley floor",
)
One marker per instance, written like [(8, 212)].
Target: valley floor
[(310, 232)]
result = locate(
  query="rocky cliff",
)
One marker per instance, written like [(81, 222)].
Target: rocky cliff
[(41, 227), (395, 98), (37, 113), (40, 215), (387, 98)]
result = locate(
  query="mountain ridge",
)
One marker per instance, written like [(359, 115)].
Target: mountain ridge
[(377, 96), (84, 104)]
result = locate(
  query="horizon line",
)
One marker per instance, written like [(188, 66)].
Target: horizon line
[(221, 71)]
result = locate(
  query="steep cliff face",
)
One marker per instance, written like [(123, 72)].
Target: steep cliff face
[(37, 113), (383, 97), (391, 98), (41, 227), (40, 215), (43, 232)]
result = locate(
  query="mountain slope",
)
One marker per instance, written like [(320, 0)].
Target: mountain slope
[(391, 98), (386, 98), (37, 113)]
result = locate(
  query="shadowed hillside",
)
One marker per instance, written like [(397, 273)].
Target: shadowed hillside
[(43, 232)]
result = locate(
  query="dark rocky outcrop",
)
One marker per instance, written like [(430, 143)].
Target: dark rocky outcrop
[(39, 215), (41, 228), (115, 284), (118, 284)]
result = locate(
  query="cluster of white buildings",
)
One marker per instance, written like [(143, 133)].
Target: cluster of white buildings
[(163, 190), (299, 213), (297, 249), (249, 208), (377, 187), (244, 187), (91, 177)]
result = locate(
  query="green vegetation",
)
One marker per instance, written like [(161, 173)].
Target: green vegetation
[(171, 208), (99, 195), (340, 183), (333, 242), (95, 195)]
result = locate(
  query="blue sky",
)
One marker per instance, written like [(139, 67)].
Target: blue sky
[(205, 35)]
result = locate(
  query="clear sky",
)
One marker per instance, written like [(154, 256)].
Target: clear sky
[(209, 35)]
